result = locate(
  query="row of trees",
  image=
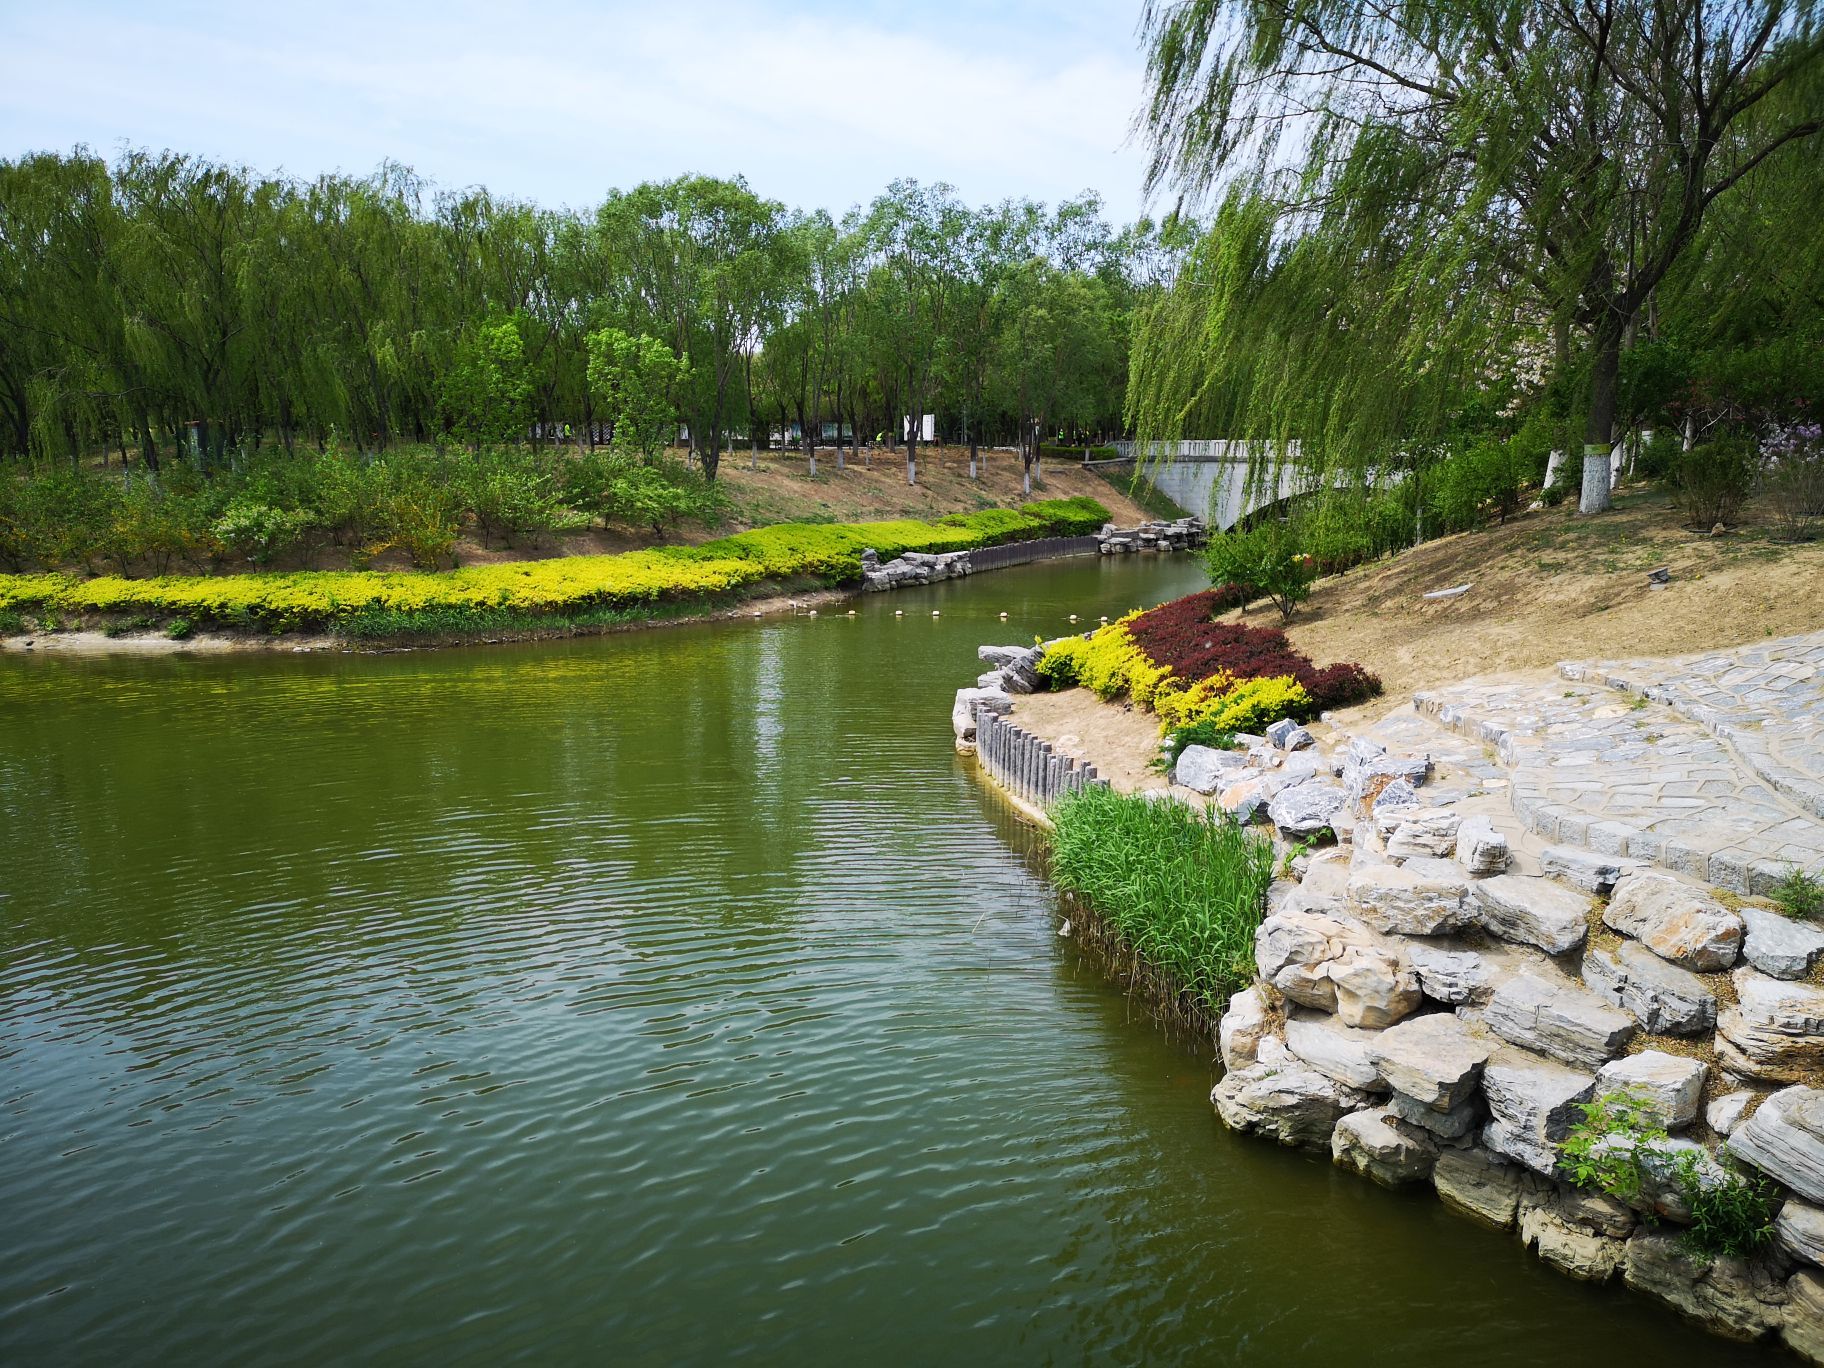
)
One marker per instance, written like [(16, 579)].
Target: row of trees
[(1434, 222), (165, 303)]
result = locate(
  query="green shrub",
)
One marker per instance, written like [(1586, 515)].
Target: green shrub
[(514, 495), (1714, 480), (12, 623), (258, 532), (179, 629), (1267, 560), (1659, 455), (1184, 889), (1795, 492), (1799, 894), (1618, 1144)]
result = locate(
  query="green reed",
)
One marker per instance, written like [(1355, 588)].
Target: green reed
[(1184, 889)]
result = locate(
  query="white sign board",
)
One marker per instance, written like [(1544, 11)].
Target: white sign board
[(927, 430)]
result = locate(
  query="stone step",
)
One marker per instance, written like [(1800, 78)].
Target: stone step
[(1766, 702), (1589, 768)]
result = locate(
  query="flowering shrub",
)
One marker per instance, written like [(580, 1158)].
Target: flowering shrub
[(1215, 677), (1107, 662), (1180, 636)]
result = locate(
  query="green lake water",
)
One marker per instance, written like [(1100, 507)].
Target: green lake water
[(674, 997)]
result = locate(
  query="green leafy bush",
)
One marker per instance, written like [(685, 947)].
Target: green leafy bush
[(258, 532), (1267, 560), (1618, 1145), (1800, 894), (1714, 480), (1795, 492)]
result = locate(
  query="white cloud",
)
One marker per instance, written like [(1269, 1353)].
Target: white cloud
[(560, 101)]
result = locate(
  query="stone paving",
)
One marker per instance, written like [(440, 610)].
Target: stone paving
[(1709, 765), (1765, 701)]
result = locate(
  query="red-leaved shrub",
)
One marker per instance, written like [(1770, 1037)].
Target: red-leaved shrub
[(1181, 636)]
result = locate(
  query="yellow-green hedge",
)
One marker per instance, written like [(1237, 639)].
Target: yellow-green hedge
[(315, 599)]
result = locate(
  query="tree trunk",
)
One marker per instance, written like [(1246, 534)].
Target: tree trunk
[(1599, 427), (912, 448)]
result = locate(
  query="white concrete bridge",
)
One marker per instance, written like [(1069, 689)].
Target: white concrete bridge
[(1212, 479)]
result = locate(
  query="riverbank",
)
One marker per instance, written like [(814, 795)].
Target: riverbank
[(1531, 973), (571, 596)]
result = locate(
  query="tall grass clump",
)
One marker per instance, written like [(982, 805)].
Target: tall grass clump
[(1183, 889)]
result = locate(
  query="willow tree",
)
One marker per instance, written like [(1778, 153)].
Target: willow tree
[(1418, 192)]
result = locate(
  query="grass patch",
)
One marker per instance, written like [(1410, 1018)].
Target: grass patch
[(11, 622), (1135, 486), (1184, 889)]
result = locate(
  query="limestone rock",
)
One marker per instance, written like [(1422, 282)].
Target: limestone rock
[(1451, 976), (1454, 1124), (1360, 776), (1480, 848), (1667, 1086), (1341, 1052), (1478, 1184), (1243, 799), (1289, 736), (962, 712), (1784, 1139), (1306, 809), (1327, 874), (1559, 1019), (1425, 832), (1244, 1025), (1729, 1297), (1587, 870), (1532, 1103), (1335, 965), (1378, 1144), (1001, 656), (1293, 1105), (1725, 1113), (1803, 1332), (1800, 1230), (1667, 1000), (1532, 911), (1205, 768), (1676, 921), (1775, 1031), (1569, 1247), (1393, 805), (1778, 945), (1434, 1060), (1400, 900)]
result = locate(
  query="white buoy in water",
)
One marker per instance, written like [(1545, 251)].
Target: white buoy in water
[(851, 612), (1003, 617), (1102, 619), (934, 612), (813, 612), (899, 612), (1073, 617)]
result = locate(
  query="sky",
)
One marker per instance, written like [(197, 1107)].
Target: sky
[(817, 103)]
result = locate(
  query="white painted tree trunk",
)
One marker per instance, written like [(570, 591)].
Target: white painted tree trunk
[(1597, 461)]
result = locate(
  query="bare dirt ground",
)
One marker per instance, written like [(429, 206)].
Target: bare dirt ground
[(1551, 586)]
